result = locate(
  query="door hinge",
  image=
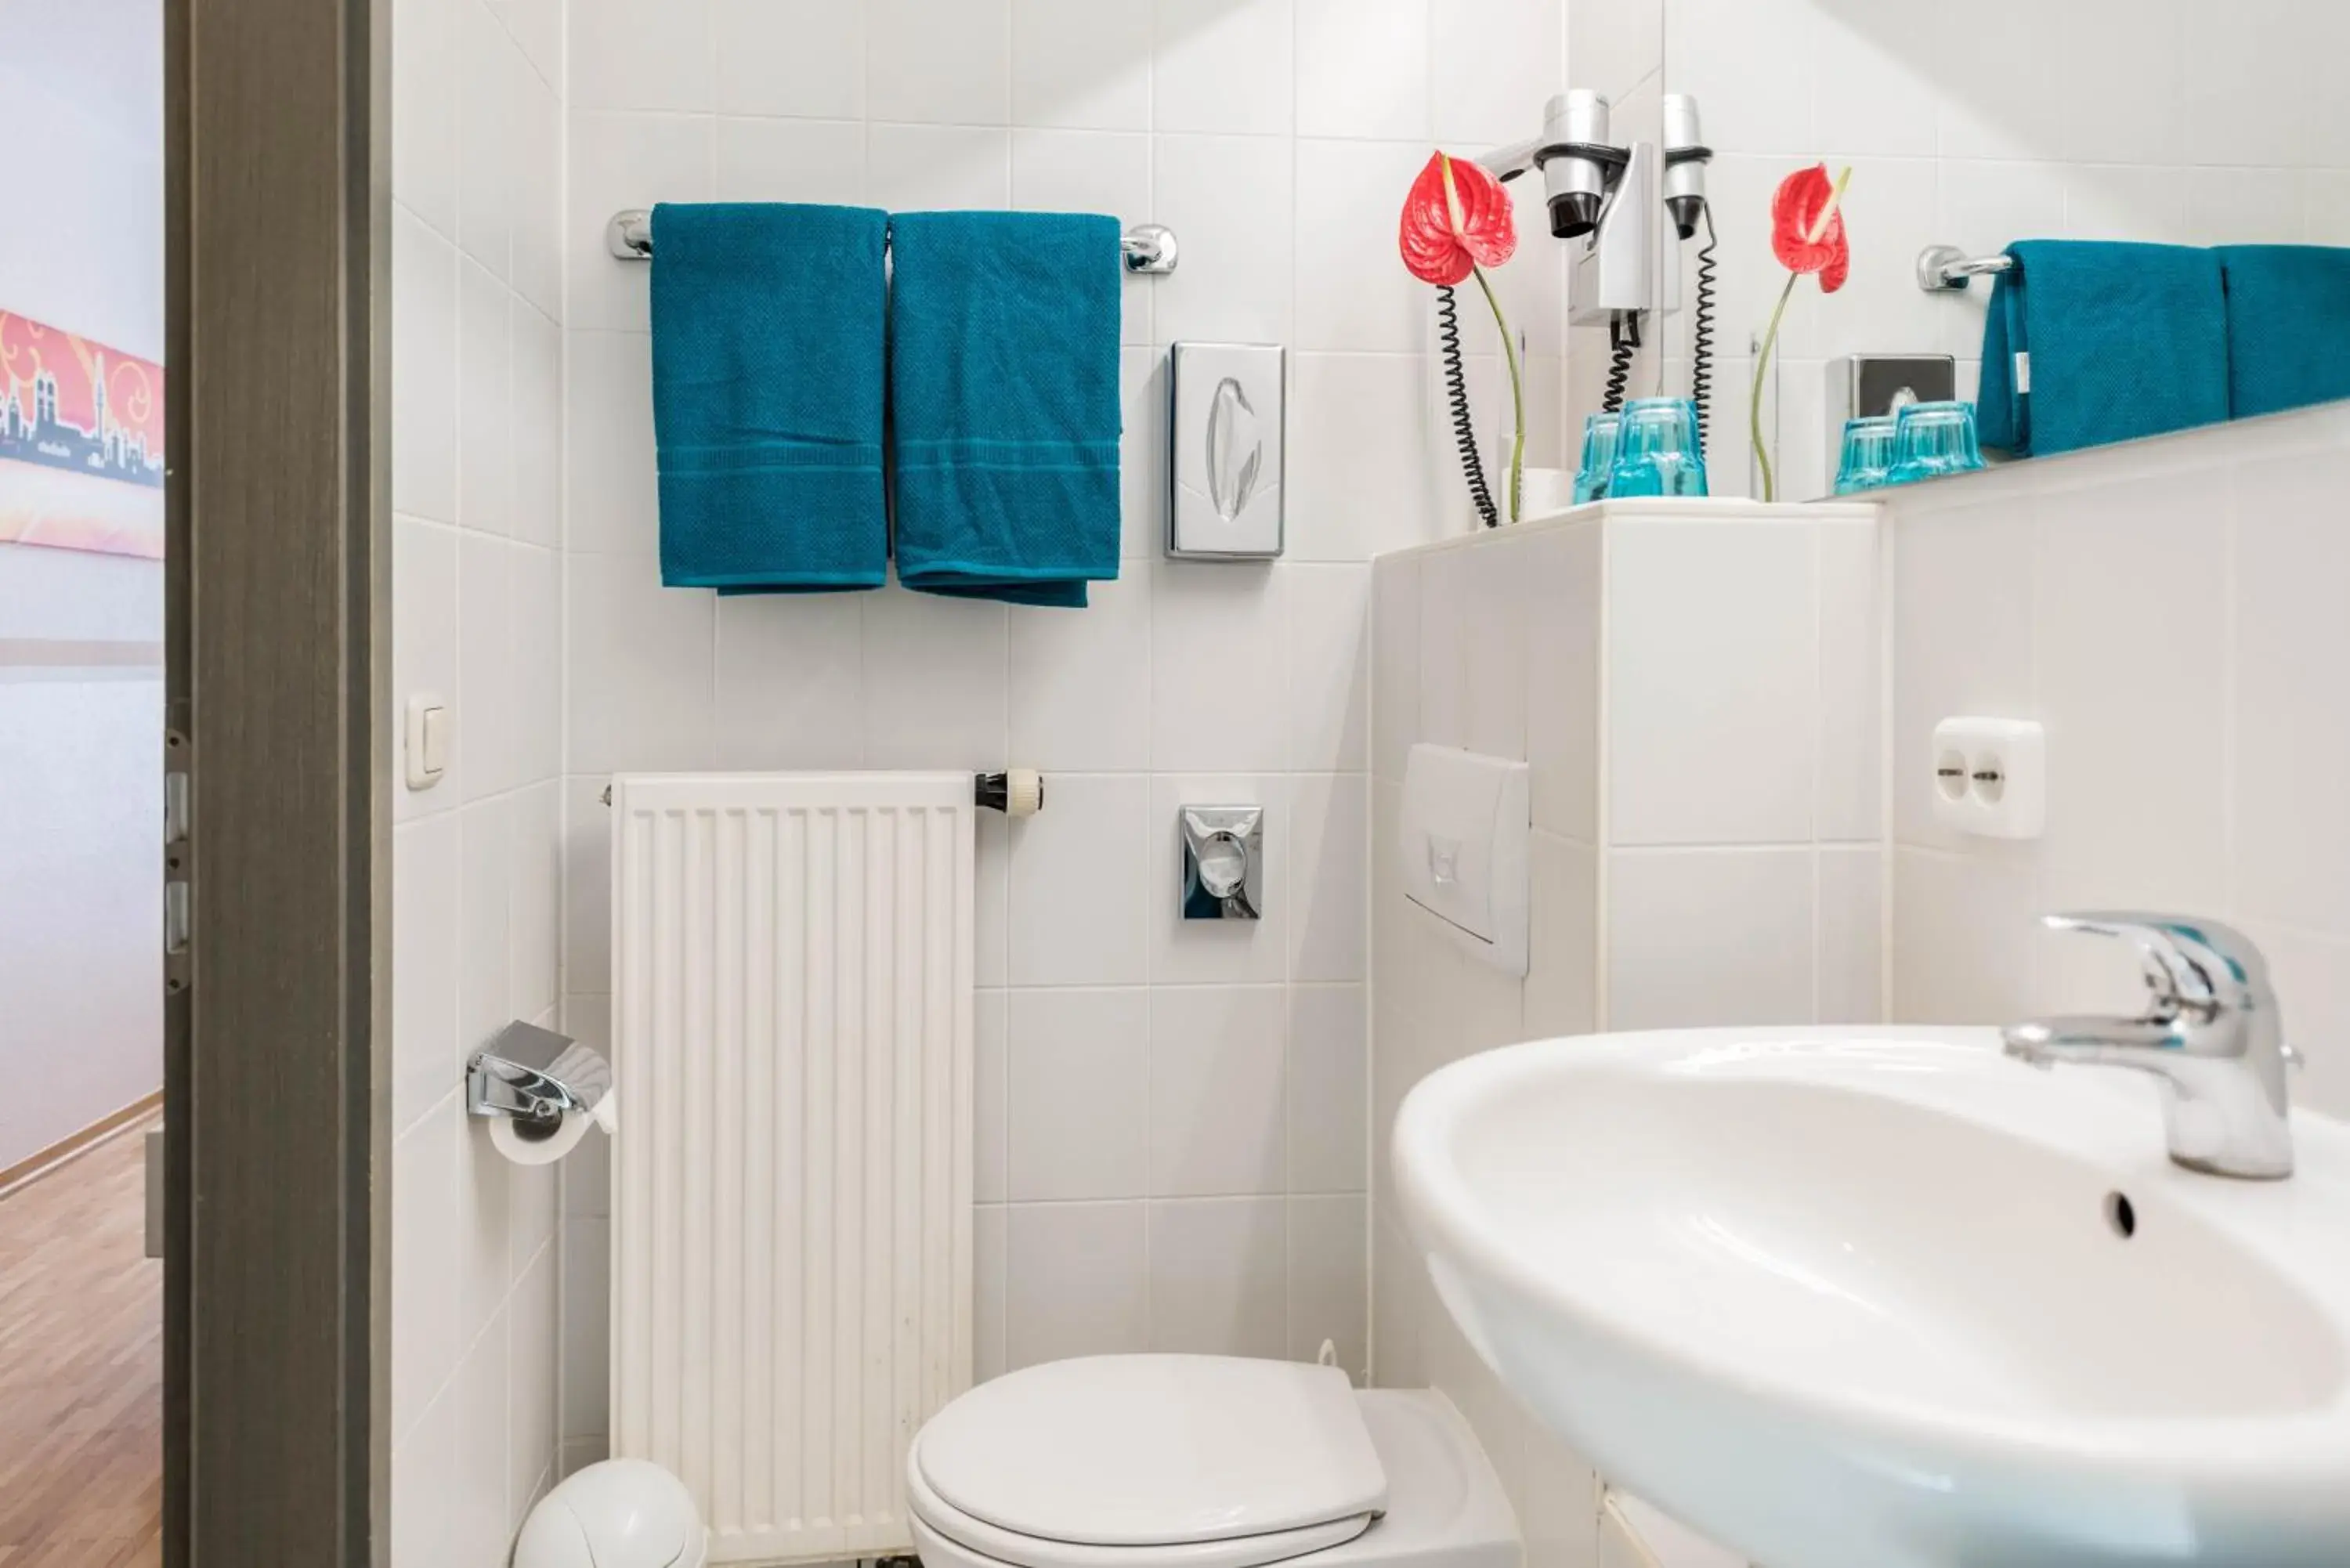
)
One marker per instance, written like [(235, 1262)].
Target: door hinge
[(179, 854)]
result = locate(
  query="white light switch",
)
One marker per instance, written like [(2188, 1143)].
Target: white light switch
[(426, 740)]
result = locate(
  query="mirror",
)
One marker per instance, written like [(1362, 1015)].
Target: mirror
[(2182, 124)]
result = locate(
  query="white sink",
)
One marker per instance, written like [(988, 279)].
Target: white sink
[(1860, 1298)]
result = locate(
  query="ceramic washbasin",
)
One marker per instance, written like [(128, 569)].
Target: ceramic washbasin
[(1884, 1298)]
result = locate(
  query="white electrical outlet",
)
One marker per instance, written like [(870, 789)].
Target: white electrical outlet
[(1991, 776)]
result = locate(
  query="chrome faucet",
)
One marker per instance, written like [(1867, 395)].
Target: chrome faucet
[(2210, 1035)]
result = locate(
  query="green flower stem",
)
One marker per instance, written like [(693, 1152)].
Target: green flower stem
[(1517, 392), (1754, 404)]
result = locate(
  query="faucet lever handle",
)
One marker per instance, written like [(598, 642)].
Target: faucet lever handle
[(2193, 965)]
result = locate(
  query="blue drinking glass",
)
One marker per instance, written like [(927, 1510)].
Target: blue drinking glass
[(1599, 434), (1932, 439), (1867, 461), (1656, 451)]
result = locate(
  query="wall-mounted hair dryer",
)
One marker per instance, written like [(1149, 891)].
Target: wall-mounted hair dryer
[(1616, 199)]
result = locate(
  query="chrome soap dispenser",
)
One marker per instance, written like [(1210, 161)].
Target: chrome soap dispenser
[(1224, 451)]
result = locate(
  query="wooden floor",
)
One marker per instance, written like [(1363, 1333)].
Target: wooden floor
[(81, 1370)]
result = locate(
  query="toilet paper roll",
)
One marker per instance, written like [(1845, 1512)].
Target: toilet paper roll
[(520, 1141)]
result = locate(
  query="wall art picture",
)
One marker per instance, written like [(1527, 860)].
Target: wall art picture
[(81, 443)]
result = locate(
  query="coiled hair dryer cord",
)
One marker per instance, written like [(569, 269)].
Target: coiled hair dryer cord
[(1701, 334), (1464, 427)]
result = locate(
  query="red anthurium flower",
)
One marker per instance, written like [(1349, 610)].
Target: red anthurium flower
[(1807, 228), (1457, 219)]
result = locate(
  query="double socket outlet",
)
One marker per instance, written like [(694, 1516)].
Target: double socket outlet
[(1990, 777)]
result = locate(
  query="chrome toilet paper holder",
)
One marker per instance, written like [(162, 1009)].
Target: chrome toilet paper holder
[(536, 1076)]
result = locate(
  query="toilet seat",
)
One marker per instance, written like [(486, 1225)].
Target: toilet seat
[(1170, 1461)]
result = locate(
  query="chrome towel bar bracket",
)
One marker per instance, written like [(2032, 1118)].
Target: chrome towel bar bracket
[(1945, 269), (1148, 248)]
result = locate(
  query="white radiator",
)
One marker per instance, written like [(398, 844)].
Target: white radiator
[(792, 1178)]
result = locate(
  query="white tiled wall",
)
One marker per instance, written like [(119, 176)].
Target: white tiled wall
[(1171, 1115), (1973, 125), (2169, 610), (1698, 691), (477, 422)]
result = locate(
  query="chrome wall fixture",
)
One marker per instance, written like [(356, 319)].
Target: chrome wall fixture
[(1945, 269), (536, 1076), (1224, 862), (1148, 248)]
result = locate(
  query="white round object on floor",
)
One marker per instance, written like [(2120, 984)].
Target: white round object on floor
[(622, 1513)]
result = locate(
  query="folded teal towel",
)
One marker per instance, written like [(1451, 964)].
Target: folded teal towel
[(768, 388), (1004, 348), (2288, 326), (2089, 342)]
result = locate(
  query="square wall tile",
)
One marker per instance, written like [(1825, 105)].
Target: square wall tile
[(426, 882), (1218, 1276), (1081, 64), (1493, 647), (2292, 735), (1074, 678), (2135, 819), (1395, 664), (487, 177), (586, 1326), (1360, 300), (1078, 1086), (991, 1095), (1078, 875), (1350, 499), (1712, 674), (798, 57), (1222, 66), (1329, 668), (791, 690), (1217, 1080), (1561, 995), (1329, 1089), (946, 62), (1362, 68), (586, 885), (536, 369), (1229, 198), (534, 590), (1852, 934), (424, 111), (1219, 662), (1329, 877), (423, 370), (1962, 934), (627, 56), (1074, 1281), (534, 899), (1850, 806), (425, 1265), (990, 1241), (1493, 66), (640, 675), (1329, 1280), (484, 401), (612, 476), (618, 162), (1699, 937), (483, 736), (1564, 612)]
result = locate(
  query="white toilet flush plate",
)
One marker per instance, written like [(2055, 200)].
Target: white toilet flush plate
[(1883, 1298)]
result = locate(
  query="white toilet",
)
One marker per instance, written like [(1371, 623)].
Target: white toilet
[(1198, 1461)]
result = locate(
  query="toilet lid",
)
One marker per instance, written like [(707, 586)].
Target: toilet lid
[(1155, 1450)]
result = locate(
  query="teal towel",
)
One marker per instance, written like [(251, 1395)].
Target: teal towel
[(2115, 341), (2288, 326), (1003, 350), (768, 388)]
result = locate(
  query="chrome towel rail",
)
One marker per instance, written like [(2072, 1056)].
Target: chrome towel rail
[(1148, 247), (1946, 269)]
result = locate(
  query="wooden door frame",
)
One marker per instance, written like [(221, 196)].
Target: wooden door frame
[(278, 652)]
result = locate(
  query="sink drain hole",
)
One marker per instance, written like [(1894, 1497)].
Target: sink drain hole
[(2121, 1214)]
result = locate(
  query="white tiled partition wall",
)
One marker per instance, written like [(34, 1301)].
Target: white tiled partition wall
[(1171, 1117), (1697, 687), (2174, 121), (477, 424), (2170, 611)]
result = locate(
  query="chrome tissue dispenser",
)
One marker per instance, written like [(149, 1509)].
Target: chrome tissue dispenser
[(1225, 459), (536, 1076)]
